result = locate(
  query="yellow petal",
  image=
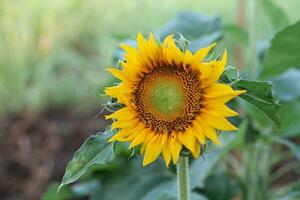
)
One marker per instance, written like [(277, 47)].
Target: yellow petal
[(217, 69), (125, 113), (147, 140), (175, 147), (123, 123), (197, 150), (153, 48), (220, 109), (205, 69), (210, 133), (199, 133), (117, 73), (217, 122), (153, 150), (188, 139), (167, 41), (201, 54), (166, 148), (217, 90), (122, 133), (139, 138)]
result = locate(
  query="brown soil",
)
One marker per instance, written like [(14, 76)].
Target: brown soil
[(35, 150)]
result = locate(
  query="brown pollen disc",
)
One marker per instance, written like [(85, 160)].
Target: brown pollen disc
[(168, 98)]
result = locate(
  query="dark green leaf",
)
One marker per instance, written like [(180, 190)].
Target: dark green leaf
[(230, 75), (259, 94), (95, 150), (287, 85), (284, 52), (275, 14)]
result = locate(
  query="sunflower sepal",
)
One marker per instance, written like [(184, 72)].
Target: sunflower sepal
[(182, 43), (113, 105)]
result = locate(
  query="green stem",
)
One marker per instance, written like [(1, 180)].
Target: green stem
[(253, 19), (183, 178)]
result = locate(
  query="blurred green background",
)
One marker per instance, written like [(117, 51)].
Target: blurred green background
[(54, 53), (53, 56)]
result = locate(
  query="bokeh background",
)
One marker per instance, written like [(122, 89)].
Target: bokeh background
[(53, 56)]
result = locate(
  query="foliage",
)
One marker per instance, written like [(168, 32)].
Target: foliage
[(58, 67)]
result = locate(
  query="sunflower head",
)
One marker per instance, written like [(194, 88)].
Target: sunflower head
[(172, 99)]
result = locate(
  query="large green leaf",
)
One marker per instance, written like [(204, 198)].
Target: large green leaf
[(275, 14), (200, 30), (284, 52), (287, 85), (259, 94), (95, 150), (191, 25), (290, 115)]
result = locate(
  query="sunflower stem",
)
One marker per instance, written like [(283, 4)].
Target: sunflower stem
[(183, 178)]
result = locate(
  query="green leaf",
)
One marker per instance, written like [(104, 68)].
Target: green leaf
[(259, 94), (290, 115), (295, 149), (200, 169), (191, 25), (133, 181), (95, 150), (284, 52), (51, 194), (275, 14), (287, 85), (236, 34)]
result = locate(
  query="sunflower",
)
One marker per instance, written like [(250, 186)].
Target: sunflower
[(171, 99)]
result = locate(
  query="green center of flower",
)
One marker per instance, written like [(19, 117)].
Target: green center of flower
[(166, 97)]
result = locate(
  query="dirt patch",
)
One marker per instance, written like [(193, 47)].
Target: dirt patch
[(35, 150)]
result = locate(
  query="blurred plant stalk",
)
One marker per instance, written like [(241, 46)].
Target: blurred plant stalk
[(256, 156)]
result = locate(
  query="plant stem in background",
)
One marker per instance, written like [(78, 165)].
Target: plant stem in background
[(238, 51), (183, 178), (253, 19)]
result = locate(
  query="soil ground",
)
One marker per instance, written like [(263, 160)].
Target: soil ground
[(34, 150)]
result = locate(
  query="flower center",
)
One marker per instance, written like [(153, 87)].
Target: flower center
[(168, 98), (165, 97)]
